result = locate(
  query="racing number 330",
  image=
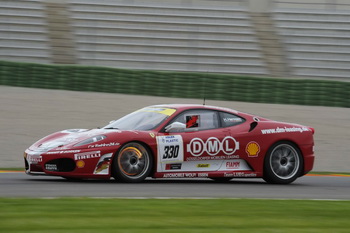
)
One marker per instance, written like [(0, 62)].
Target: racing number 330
[(171, 152), (170, 148)]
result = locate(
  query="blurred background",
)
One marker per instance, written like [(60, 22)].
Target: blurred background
[(291, 53), (273, 38)]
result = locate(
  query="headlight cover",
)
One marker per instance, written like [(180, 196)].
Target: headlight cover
[(91, 140)]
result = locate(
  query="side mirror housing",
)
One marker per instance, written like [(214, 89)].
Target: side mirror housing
[(175, 127)]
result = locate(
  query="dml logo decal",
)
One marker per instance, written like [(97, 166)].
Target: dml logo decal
[(213, 146)]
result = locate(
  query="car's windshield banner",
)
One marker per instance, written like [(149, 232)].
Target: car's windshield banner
[(165, 111)]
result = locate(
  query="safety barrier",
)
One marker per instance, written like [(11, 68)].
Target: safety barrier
[(176, 84)]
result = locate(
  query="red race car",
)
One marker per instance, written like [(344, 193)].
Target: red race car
[(178, 141)]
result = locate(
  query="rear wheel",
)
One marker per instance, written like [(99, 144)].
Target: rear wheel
[(283, 163), (133, 163)]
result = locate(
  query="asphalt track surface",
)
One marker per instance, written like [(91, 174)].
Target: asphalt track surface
[(308, 187)]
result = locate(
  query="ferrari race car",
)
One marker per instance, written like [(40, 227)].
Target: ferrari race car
[(178, 141)]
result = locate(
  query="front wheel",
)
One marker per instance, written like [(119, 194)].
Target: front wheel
[(132, 164), (283, 163)]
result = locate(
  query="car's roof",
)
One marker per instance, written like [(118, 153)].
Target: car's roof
[(193, 106)]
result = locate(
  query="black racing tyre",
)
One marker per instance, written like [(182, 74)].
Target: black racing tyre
[(283, 163), (221, 179), (132, 163)]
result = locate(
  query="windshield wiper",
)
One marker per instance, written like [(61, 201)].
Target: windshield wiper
[(110, 128)]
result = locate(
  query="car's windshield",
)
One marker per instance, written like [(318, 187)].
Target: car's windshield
[(144, 119)]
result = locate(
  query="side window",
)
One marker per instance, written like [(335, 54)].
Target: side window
[(196, 120), (229, 119)]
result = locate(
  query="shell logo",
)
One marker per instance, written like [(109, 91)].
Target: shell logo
[(252, 149), (80, 164)]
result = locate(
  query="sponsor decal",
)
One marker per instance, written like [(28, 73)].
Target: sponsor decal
[(170, 148), (235, 164), (103, 164), (173, 166), (104, 145), (87, 155), (285, 130), (202, 175), (62, 152), (232, 119), (80, 164), (232, 164), (252, 149), (212, 146), (239, 174), (33, 158), (165, 111), (51, 167), (185, 175), (202, 158), (193, 166), (174, 175), (152, 135)]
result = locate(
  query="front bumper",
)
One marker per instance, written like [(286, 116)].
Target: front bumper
[(77, 164)]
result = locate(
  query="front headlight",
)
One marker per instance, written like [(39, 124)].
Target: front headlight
[(91, 140)]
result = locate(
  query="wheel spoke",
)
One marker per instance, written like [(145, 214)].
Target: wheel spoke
[(284, 161), (133, 161), (279, 153)]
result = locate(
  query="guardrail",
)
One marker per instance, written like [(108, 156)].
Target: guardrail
[(176, 84)]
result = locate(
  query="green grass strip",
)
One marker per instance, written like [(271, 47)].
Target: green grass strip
[(173, 215)]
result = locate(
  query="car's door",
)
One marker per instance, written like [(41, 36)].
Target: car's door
[(197, 143)]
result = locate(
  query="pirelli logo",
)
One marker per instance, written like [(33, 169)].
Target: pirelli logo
[(88, 155)]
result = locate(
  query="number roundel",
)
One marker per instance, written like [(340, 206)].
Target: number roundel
[(170, 148), (171, 152)]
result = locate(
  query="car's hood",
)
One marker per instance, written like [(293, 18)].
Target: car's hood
[(67, 139)]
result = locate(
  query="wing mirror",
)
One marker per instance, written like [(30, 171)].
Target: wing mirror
[(175, 127)]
